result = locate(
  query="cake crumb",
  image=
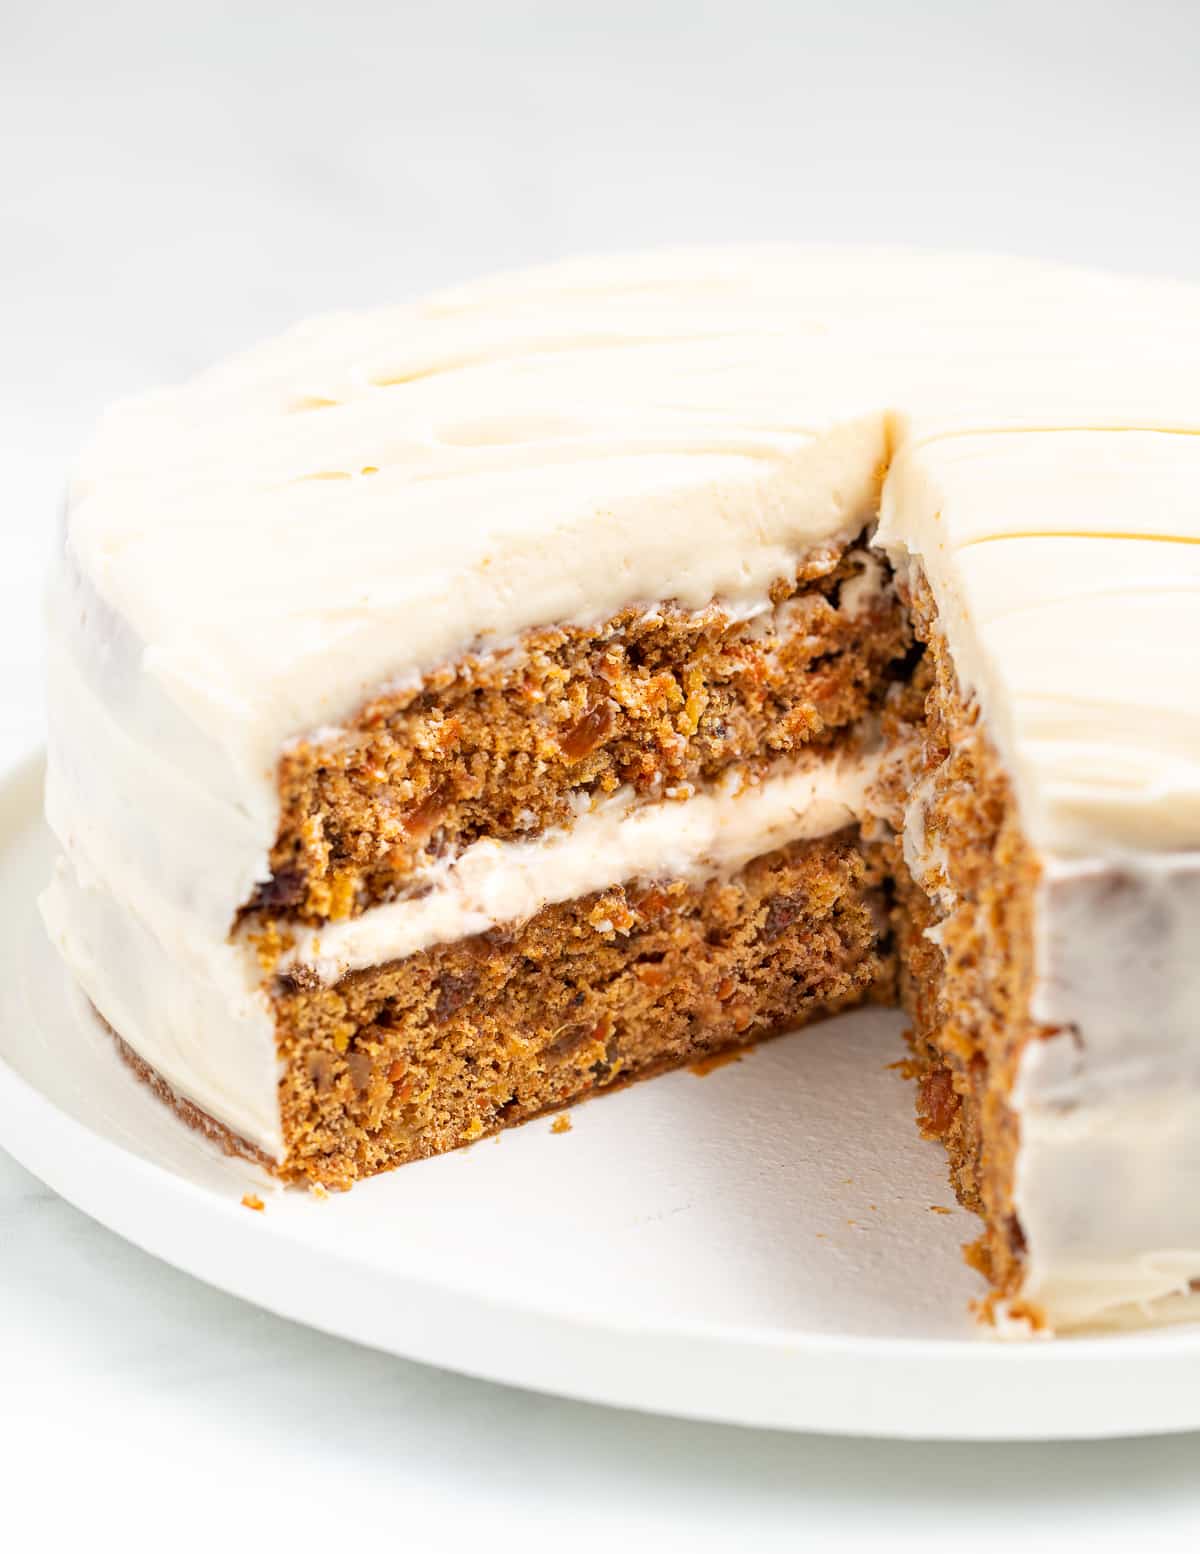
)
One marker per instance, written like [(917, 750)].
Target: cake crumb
[(1009, 1318), (251, 1200), (319, 1190), (561, 1124), (715, 1060), (938, 1208)]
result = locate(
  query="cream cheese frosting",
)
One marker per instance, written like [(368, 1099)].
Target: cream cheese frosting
[(248, 556)]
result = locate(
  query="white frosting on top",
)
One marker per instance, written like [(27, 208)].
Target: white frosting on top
[(551, 446), (250, 555)]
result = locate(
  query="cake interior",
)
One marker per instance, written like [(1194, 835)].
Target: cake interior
[(926, 900), (964, 882)]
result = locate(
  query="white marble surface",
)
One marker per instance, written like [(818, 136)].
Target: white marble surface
[(177, 182)]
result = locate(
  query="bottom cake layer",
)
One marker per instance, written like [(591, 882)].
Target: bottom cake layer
[(421, 1055)]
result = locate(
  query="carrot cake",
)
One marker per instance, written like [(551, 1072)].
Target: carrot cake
[(459, 709)]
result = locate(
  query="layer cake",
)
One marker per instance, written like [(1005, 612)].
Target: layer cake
[(463, 708)]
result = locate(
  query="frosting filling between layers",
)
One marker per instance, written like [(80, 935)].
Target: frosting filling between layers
[(709, 833)]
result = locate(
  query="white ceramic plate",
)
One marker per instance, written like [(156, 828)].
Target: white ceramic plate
[(759, 1246)]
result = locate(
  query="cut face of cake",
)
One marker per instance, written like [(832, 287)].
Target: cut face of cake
[(1050, 871), (461, 709)]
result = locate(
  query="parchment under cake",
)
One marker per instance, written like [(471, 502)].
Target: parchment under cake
[(459, 709)]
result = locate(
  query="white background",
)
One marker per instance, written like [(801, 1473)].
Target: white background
[(175, 181)]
